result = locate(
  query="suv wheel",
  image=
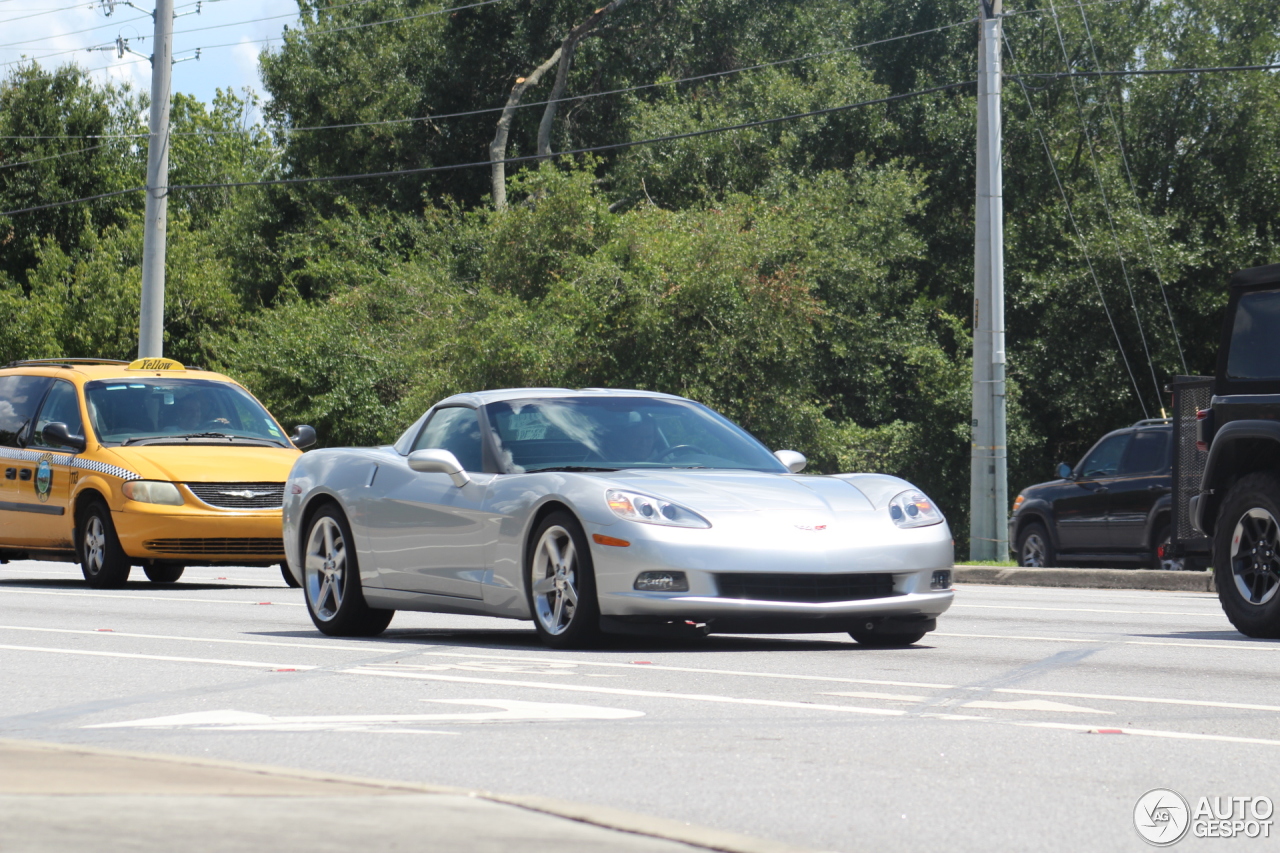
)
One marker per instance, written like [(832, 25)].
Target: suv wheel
[(1161, 557), (1035, 549), (1246, 556)]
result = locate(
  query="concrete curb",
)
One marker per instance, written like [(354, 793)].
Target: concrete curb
[(1087, 578), (604, 817)]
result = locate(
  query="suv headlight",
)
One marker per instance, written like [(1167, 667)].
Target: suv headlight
[(649, 510), (912, 509), (152, 492)]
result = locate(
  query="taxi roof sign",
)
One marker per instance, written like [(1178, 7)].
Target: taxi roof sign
[(155, 364)]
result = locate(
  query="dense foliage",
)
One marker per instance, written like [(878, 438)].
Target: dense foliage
[(811, 278)]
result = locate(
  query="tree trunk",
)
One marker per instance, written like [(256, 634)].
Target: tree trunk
[(562, 56)]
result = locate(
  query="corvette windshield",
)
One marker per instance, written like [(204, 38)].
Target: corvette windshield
[(609, 433), (134, 411)]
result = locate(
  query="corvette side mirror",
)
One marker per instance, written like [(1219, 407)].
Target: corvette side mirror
[(439, 462), (794, 461), (303, 436), (57, 435), (1065, 471)]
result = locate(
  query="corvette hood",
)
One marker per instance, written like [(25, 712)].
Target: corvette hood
[(747, 491)]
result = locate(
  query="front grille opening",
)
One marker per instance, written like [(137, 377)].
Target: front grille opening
[(267, 547), (806, 588), (240, 495)]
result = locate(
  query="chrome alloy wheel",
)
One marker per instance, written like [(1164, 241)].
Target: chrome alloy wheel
[(555, 581), (1255, 556), (1033, 552), (95, 545), (325, 568)]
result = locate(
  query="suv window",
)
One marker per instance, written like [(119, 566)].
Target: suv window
[(19, 396), (1148, 452), (61, 406), (1104, 459), (457, 430), (1253, 353)]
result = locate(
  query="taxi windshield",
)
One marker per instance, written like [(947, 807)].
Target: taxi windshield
[(161, 411), (609, 433)]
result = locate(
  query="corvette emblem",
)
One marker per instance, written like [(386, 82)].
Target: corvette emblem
[(811, 527)]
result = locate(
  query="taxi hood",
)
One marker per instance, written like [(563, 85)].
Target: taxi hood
[(204, 463)]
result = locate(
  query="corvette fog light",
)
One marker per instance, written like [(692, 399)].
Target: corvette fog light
[(941, 580), (662, 582)]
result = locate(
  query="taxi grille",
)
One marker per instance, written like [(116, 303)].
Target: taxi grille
[(240, 495), (269, 547), (811, 589)]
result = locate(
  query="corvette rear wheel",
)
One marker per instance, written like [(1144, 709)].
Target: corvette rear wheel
[(561, 584), (331, 580)]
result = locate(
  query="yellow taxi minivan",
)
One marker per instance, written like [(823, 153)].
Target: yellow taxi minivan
[(114, 465)]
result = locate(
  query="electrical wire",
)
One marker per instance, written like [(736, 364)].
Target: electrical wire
[(75, 32), (46, 12), (288, 15), (1137, 201), (1084, 247), (53, 156), (1106, 205), (570, 99), (1138, 72), (510, 160)]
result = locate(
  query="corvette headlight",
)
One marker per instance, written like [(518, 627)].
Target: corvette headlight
[(152, 492), (912, 509), (649, 510)]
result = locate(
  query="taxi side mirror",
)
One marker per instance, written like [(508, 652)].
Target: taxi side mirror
[(439, 462), (57, 435), (303, 436)]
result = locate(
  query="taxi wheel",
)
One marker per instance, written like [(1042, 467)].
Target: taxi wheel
[(331, 580), (561, 586), (102, 560), (289, 579), (163, 572)]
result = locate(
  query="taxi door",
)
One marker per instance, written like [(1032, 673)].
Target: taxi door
[(51, 524), (19, 397)]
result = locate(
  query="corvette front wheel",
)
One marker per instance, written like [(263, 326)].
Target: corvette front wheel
[(561, 584)]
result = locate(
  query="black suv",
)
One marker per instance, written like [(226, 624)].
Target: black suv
[(1111, 508)]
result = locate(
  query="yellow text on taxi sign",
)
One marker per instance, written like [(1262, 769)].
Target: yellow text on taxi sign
[(155, 364)]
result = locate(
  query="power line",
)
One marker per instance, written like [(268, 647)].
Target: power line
[(525, 159), (76, 32), (45, 12), (1136, 72), (292, 15), (1084, 247), (53, 156), (1137, 202), (1106, 205), (529, 104)]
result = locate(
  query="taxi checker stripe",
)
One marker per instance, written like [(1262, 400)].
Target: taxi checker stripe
[(65, 461)]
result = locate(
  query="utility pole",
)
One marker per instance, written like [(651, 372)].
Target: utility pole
[(151, 315), (989, 475)]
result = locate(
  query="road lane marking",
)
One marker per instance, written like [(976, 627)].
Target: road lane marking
[(1033, 705), (889, 697), (9, 589), (1242, 645), (622, 691), (172, 658), (1036, 724), (508, 710), (115, 633), (1087, 610)]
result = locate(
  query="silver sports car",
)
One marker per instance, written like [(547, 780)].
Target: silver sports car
[(609, 511)]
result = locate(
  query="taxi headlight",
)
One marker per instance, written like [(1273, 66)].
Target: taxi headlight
[(152, 492), (649, 510), (912, 509)]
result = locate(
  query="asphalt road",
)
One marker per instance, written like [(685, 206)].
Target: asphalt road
[(995, 733)]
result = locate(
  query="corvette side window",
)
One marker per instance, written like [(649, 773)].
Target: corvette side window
[(456, 430)]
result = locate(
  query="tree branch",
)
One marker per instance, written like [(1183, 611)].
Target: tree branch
[(498, 147)]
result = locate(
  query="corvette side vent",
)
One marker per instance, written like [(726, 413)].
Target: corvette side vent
[(240, 495), (812, 589)]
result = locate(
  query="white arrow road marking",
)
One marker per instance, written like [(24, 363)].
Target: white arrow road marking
[(508, 710), (1034, 705)]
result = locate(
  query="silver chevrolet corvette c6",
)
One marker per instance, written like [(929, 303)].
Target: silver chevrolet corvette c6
[(609, 511)]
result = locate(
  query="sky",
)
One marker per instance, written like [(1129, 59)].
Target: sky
[(230, 33)]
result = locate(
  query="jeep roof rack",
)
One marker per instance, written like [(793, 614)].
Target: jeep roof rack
[(67, 362), (1153, 421)]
